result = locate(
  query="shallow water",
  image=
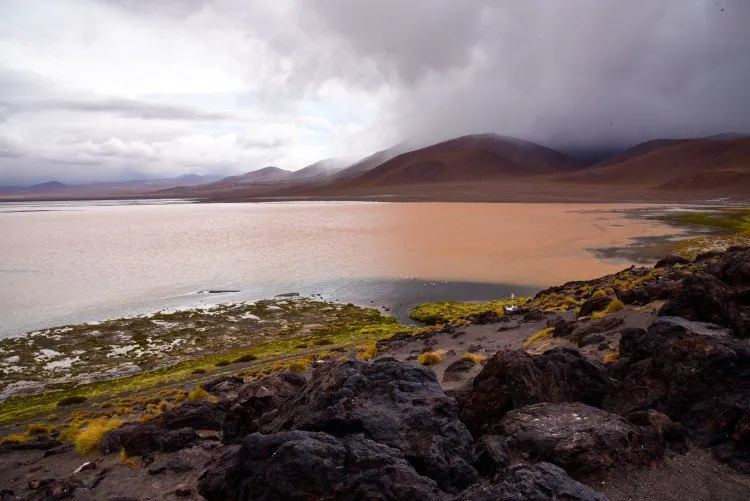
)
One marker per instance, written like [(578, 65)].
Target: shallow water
[(81, 261)]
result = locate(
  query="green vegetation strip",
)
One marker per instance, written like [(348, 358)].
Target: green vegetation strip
[(453, 312)]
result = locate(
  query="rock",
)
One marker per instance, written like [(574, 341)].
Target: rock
[(525, 482), (663, 288), (88, 465), (60, 449), (733, 267), (587, 442), (44, 444), (485, 317), (671, 260), (457, 370), (512, 378), (534, 315), (475, 348), (183, 491), (395, 404), (490, 455), (508, 325), (277, 387), (563, 328), (724, 424), (303, 465), (596, 326), (139, 439), (705, 298), (589, 340), (670, 369), (673, 434), (225, 387), (196, 415), (594, 304)]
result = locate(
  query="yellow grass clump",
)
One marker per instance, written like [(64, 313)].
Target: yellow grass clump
[(431, 357), (474, 357), (198, 394), (367, 351), (299, 365), (611, 357), (614, 305), (535, 338), (130, 462), (88, 439)]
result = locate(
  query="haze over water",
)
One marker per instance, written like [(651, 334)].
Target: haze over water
[(71, 262)]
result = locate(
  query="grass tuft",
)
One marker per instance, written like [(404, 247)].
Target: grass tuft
[(71, 400), (90, 438), (535, 338), (611, 357), (454, 312), (367, 350), (474, 357), (431, 357), (198, 394)]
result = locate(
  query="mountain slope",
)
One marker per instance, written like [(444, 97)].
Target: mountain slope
[(266, 175), (692, 164), (466, 159)]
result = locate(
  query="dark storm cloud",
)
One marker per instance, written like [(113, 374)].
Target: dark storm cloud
[(574, 73)]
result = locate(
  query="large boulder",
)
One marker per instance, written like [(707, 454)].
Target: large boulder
[(258, 402), (594, 304), (705, 298), (395, 404), (724, 424), (196, 415), (139, 439), (513, 378), (302, 465), (526, 482), (587, 442), (670, 367)]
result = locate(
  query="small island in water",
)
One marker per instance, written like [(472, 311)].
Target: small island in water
[(635, 385)]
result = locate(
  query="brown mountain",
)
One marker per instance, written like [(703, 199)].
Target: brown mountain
[(474, 158), (690, 165), (266, 175)]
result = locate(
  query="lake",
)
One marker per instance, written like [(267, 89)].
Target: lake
[(69, 262)]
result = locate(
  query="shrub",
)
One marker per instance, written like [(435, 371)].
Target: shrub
[(474, 357), (222, 363), (39, 429), (300, 365), (430, 357), (52, 417), (248, 357), (198, 394), (367, 351), (14, 438), (88, 439), (535, 338), (71, 400), (130, 462), (598, 293), (199, 371)]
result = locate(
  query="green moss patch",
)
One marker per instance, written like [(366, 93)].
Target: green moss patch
[(453, 312)]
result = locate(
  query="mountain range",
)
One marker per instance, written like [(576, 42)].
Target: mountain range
[(481, 167)]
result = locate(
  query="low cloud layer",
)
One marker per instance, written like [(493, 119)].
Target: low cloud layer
[(116, 89)]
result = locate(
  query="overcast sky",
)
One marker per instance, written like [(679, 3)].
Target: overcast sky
[(122, 89)]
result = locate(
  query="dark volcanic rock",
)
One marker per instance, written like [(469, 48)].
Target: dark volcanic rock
[(396, 404), (585, 441), (594, 304), (485, 317), (671, 260), (513, 378), (596, 326), (705, 298), (674, 434), (593, 339), (490, 454), (302, 465), (259, 400), (724, 423), (534, 315), (670, 369), (525, 482), (733, 268), (139, 439), (225, 387), (563, 328), (44, 444), (196, 415)]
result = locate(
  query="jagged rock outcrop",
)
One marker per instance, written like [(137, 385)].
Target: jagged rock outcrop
[(525, 482), (140, 439), (196, 415), (512, 378), (398, 405), (585, 441), (304, 465)]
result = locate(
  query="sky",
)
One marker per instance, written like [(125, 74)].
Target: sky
[(97, 90)]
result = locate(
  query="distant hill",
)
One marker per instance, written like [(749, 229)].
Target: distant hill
[(691, 164), (469, 158), (374, 160), (266, 175), (48, 186)]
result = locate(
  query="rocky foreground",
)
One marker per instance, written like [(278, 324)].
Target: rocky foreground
[(646, 401)]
